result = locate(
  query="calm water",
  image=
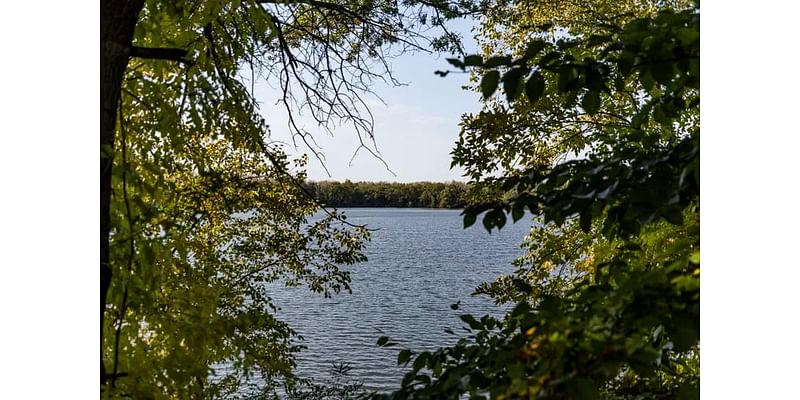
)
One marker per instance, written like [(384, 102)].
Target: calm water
[(420, 262)]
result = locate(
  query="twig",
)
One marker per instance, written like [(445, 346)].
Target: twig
[(124, 305)]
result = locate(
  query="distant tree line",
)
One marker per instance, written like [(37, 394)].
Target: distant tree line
[(387, 194)]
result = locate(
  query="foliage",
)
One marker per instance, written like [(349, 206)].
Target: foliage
[(639, 167), (597, 134), (205, 242), (384, 194), (339, 386), (205, 210)]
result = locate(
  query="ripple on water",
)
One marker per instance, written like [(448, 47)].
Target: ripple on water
[(420, 262)]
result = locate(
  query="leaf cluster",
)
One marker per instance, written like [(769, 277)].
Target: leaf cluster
[(629, 179)]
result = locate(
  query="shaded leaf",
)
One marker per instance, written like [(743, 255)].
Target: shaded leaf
[(591, 102), (497, 61), (534, 47), (586, 220), (489, 83), (471, 321), (517, 212), (403, 356), (469, 219), (534, 88), (473, 60), (456, 62), (511, 83)]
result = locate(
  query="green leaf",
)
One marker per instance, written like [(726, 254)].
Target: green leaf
[(423, 379), (500, 220), (534, 88), (473, 60), (566, 79), (646, 79), (663, 72), (437, 369), (659, 115), (596, 40), (619, 83), (517, 212), (594, 74), (641, 117), (403, 356), (625, 62), (549, 58), (106, 151), (489, 83), (149, 254), (421, 361), (456, 62), (383, 340), (586, 220), (534, 47), (522, 286), (497, 61), (687, 36), (695, 257), (571, 98), (591, 102), (471, 321), (488, 220), (511, 82), (469, 219)]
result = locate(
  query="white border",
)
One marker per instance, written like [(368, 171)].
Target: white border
[(49, 170), (750, 212)]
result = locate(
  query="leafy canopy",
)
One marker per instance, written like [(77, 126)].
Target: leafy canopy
[(206, 210), (597, 135)]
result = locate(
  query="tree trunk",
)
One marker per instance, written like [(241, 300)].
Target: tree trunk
[(117, 22)]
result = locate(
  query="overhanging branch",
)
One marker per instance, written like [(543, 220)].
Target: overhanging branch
[(160, 53)]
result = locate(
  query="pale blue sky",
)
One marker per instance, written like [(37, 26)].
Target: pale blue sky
[(415, 131)]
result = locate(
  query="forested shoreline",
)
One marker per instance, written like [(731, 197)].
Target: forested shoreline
[(389, 194)]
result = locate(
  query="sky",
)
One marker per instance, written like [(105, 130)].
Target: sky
[(415, 130)]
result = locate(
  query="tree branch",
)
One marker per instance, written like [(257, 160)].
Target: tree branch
[(160, 53)]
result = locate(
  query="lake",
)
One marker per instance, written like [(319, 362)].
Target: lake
[(420, 262)]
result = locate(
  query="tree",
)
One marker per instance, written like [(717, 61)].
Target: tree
[(383, 194), (598, 137), (197, 208)]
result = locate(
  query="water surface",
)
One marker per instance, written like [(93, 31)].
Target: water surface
[(420, 262)]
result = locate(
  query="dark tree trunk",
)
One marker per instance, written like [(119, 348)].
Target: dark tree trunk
[(117, 22)]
